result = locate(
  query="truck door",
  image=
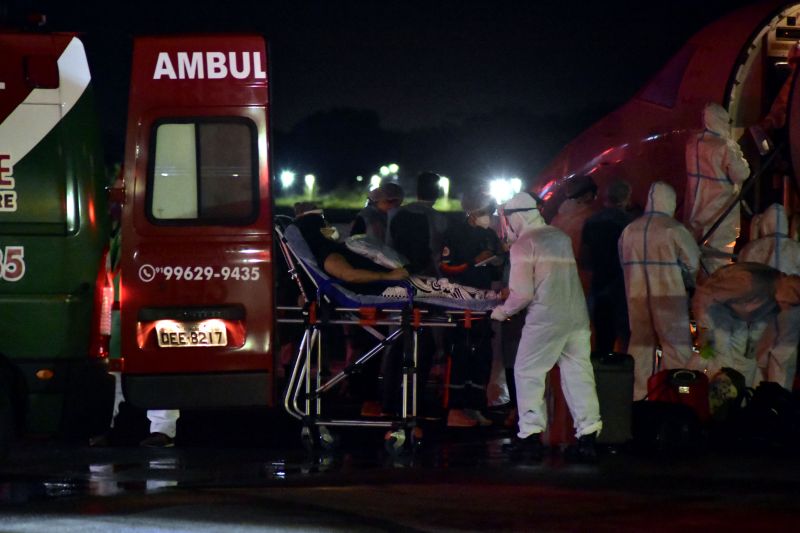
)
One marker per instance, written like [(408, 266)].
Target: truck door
[(196, 271)]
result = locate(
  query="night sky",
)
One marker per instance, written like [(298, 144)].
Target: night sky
[(413, 67)]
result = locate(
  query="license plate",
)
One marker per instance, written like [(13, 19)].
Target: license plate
[(173, 334)]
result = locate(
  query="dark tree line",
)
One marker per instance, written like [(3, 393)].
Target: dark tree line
[(340, 144)]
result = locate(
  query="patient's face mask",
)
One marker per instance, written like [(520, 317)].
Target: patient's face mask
[(330, 232), (483, 221)]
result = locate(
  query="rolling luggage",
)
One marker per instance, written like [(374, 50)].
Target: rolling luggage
[(613, 375)]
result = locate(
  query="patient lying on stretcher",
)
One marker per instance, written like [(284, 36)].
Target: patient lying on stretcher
[(360, 273)]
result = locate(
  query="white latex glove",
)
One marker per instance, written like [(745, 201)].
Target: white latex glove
[(498, 314), (735, 148)]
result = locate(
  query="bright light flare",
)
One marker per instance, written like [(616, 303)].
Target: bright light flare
[(374, 182), (444, 184), (287, 179), (393, 168), (310, 180), (502, 189)]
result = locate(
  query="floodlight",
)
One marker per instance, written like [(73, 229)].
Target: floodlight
[(287, 179)]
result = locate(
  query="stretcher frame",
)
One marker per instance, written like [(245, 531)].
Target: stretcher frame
[(305, 388)]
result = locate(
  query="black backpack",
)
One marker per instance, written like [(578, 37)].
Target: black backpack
[(770, 415)]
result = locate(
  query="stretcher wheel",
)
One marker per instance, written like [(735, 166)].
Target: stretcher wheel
[(394, 441), (308, 436), (326, 439), (316, 438)]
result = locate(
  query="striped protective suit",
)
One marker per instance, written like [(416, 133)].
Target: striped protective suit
[(715, 169), (659, 259)]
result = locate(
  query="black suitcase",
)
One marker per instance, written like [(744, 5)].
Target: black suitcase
[(613, 375)]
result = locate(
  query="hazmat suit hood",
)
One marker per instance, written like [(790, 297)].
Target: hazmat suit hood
[(522, 214), (774, 246), (717, 120), (661, 199), (773, 221)]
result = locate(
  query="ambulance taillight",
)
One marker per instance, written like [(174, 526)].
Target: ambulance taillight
[(104, 303)]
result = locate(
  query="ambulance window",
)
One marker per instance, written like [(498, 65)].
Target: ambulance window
[(204, 172)]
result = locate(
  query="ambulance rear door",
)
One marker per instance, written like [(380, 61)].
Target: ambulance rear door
[(196, 271)]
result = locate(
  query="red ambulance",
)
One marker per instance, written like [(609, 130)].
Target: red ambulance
[(196, 298)]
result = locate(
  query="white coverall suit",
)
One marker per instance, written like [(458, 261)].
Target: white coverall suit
[(715, 170), (659, 258), (544, 279), (777, 356)]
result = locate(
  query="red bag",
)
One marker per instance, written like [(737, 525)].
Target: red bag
[(560, 430), (687, 387)]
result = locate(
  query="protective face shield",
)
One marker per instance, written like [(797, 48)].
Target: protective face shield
[(507, 233), (507, 223), (521, 203)]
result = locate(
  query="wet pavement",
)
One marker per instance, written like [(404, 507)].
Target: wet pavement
[(459, 481)]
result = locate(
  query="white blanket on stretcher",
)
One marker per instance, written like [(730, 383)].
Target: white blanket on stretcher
[(375, 250)]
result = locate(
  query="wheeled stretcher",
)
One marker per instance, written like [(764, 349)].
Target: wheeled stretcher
[(329, 303)]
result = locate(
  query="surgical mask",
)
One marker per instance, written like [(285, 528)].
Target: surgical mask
[(483, 221), (330, 232)]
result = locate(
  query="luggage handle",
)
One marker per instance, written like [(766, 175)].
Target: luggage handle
[(683, 376), (682, 383), (683, 380)]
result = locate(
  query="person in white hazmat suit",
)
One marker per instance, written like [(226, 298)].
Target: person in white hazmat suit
[(544, 280), (660, 261), (773, 245), (715, 168), (163, 423), (777, 355)]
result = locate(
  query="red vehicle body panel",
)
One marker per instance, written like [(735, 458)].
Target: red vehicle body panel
[(644, 140), (34, 52), (161, 91)]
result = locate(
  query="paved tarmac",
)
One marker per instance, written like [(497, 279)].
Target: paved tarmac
[(459, 481)]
